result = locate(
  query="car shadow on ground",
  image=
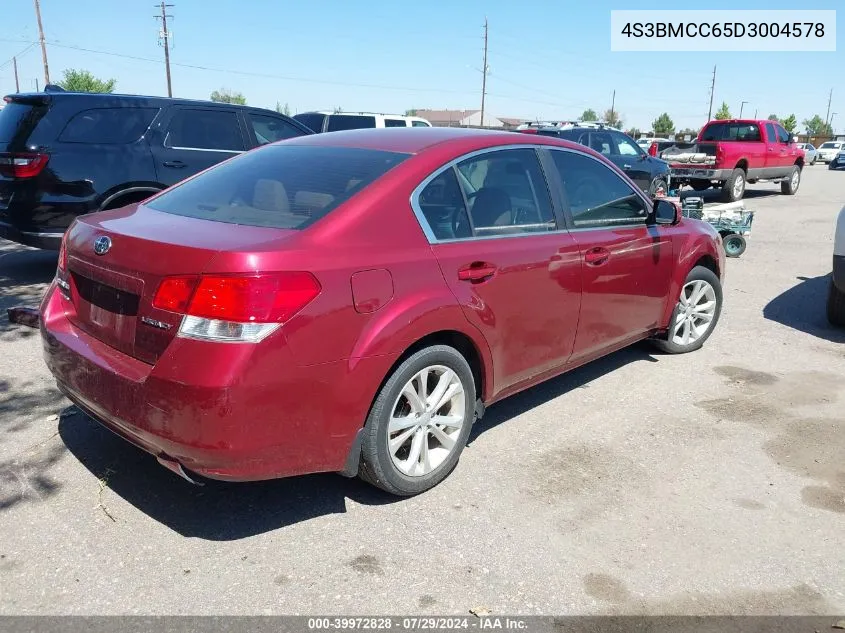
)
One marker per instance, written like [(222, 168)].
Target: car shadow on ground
[(802, 308), (221, 511), (24, 276)]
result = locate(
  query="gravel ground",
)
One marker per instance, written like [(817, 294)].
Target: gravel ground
[(711, 482)]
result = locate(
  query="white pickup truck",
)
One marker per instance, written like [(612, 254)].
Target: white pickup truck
[(836, 294)]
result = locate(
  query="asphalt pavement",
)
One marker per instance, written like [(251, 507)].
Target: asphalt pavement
[(711, 482)]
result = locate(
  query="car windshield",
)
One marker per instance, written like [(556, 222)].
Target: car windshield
[(279, 186), (731, 132), (830, 146)]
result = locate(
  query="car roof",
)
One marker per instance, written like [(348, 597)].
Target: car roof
[(109, 96), (415, 140)]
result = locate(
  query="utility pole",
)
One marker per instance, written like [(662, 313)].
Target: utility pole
[(165, 39), (612, 108), (827, 116), (484, 74), (741, 106), (37, 89), (43, 45), (712, 90), (15, 66)]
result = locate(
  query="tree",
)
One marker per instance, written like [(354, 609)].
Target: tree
[(283, 109), (773, 117), (589, 115), (723, 112), (612, 118), (411, 112), (817, 126), (790, 124), (338, 110), (84, 81), (663, 125), (634, 132), (224, 95)]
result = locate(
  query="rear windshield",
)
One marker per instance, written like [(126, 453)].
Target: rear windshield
[(731, 132), (339, 122), (18, 120), (830, 145), (286, 187)]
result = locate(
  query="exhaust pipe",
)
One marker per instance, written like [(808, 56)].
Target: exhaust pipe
[(30, 317), (174, 466)]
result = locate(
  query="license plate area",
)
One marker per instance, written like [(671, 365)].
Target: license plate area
[(104, 297)]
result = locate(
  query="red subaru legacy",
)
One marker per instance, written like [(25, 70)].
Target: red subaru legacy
[(353, 301)]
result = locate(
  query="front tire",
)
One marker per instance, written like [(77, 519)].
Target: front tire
[(419, 422), (835, 305), (734, 187), (696, 313), (789, 187)]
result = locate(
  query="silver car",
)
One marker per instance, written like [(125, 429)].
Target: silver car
[(810, 153)]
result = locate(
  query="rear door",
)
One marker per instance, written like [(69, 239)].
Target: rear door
[(513, 267), (626, 266), (192, 138)]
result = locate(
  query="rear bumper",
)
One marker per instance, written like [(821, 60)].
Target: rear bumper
[(684, 174), (39, 239), (248, 415)]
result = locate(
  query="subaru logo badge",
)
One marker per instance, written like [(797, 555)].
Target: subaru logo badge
[(102, 245)]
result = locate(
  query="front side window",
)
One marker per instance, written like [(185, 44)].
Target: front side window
[(279, 186), (269, 129), (601, 142), (597, 197), (419, 124), (311, 120), (782, 135), (108, 126), (395, 123), (204, 129), (626, 147)]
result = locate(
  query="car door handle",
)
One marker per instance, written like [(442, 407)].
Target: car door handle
[(597, 256), (175, 164), (477, 271), (626, 167)]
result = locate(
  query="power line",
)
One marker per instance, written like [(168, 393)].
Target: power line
[(21, 54)]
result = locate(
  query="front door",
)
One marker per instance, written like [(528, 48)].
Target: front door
[(191, 139), (626, 266), (514, 270), (632, 160)]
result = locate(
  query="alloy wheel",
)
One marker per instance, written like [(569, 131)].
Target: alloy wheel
[(426, 420), (695, 312)]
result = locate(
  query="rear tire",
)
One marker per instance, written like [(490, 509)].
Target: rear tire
[(835, 305), (406, 450), (789, 187), (692, 312), (734, 187)]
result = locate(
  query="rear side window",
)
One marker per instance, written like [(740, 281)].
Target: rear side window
[(269, 129), (731, 132), (311, 120), (279, 186), (108, 126), (18, 120), (419, 124), (339, 122), (395, 123), (204, 129)]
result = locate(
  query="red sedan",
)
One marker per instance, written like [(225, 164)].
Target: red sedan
[(352, 301)]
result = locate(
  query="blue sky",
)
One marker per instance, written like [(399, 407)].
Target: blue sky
[(547, 59)]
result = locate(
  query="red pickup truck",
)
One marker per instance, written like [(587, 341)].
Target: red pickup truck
[(731, 153)]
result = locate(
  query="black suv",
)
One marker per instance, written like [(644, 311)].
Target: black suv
[(65, 154), (650, 173)]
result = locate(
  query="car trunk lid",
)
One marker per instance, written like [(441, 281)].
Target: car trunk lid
[(117, 259)]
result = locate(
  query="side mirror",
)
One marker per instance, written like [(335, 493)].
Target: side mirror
[(793, 138), (664, 213)]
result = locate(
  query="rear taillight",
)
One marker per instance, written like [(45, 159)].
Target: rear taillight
[(652, 149), (22, 165), (236, 307), (61, 267)]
